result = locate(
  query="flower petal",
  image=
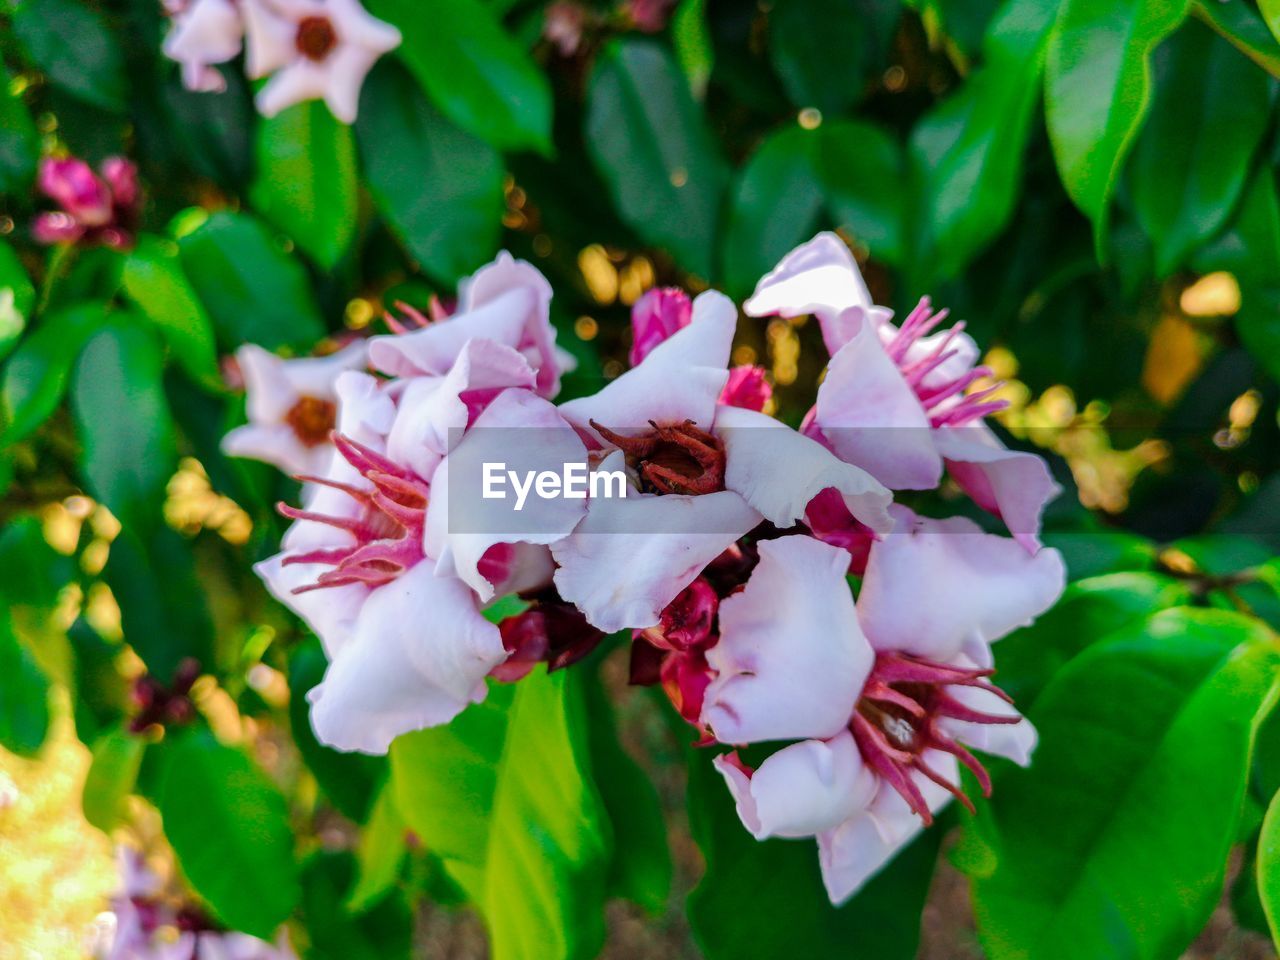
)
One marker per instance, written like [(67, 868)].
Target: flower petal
[(1012, 484), (792, 676), (681, 378), (419, 655), (803, 789), (538, 337), (778, 471), (870, 416), (933, 585), (631, 556)]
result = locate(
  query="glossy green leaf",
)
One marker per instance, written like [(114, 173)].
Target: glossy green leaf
[(862, 172), (475, 73), (1098, 89), (1115, 841), (1242, 27), (380, 854), (252, 289), (229, 827), (766, 899), (306, 179), (692, 41), (1268, 867), (71, 43), (1194, 156), (338, 933), (154, 280), (439, 188), (117, 757), (17, 297), (19, 141), (817, 48), (128, 449), (35, 378), (1270, 10), (966, 153), (24, 694), (162, 607), (775, 207), (649, 140), (350, 780), (503, 797)]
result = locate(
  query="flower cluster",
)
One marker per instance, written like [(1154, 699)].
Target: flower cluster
[(94, 209), (768, 580), (310, 49), (148, 924)]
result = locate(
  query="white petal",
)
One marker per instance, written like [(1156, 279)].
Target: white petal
[(297, 82), (434, 349), (420, 652), (681, 379), (803, 789), (872, 418), (1013, 485), (330, 613), (524, 434), (538, 336), (791, 660), (270, 39), (932, 585), (273, 444), (366, 410), (631, 557), (269, 393), (1014, 741), (345, 68), (778, 471), (358, 27)]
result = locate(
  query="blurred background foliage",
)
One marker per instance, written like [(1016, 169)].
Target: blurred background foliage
[(1089, 184)]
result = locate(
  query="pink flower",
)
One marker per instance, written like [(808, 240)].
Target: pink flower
[(314, 50), (898, 401), (703, 475), (656, 316), (649, 16), (203, 33), (292, 407), (885, 696), (95, 210)]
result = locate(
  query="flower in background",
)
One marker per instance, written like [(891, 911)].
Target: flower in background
[(884, 696), (563, 25), (96, 208), (903, 401), (292, 408), (313, 50), (203, 33), (649, 16)]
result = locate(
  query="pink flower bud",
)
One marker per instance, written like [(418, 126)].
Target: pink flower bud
[(122, 177), (747, 388), (657, 315), (77, 189)]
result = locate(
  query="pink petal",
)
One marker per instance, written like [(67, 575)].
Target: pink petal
[(56, 227), (932, 585), (748, 388), (657, 315), (791, 660), (537, 337), (73, 185)]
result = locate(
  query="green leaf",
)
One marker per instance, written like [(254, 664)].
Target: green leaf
[(154, 280), (1193, 159), (1242, 27), (337, 932), (306, 179), (861, 169), (117, 757), (817, 49), (24, 694), (640, 869), (1090, 610), (73, 45), (128, 449), (229, 827), (439, 188), (649, 140), (254, 291), (348, 779), (1270, 10), (503, 796), (162, 610), (775, 206), (1098, 88), (381, 852), (692, 41), (35, 377), (14, 283), (1269, 867), (766, 899), (1115, 842), (477, 75), (967, 152), (19, 140)]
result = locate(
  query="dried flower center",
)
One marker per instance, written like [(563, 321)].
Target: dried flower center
[(312, 420), (316, 37), (898, 719), (673, 458), (385, 532)]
